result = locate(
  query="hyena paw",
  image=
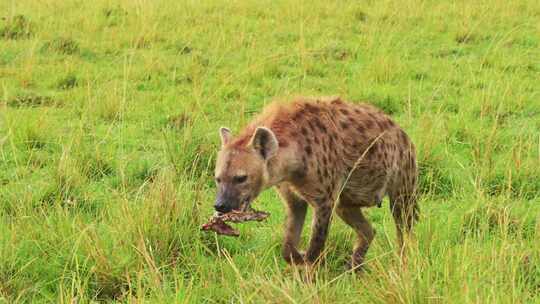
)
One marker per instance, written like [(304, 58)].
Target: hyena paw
[(354, 267), (356, 263), (294, 257)]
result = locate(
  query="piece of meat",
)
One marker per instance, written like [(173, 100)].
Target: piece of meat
[(218, 225), (241, 216), (218, 222)]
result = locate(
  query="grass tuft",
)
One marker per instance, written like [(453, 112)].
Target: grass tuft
[(68, 82), (16, 27), (61, 45), (31, 100)]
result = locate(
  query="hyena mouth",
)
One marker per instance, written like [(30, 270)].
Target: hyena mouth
[(244, 207)]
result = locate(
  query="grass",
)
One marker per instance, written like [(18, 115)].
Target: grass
[(109, 112)]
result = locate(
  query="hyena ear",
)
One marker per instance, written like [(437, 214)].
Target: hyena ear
[(226, 136), (265, 142)]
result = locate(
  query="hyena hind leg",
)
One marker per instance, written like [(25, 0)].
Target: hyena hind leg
[(353, 217)]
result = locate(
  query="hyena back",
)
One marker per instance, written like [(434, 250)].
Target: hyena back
[(326, 153)]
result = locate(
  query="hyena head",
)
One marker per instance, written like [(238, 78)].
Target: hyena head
[(242, 171)]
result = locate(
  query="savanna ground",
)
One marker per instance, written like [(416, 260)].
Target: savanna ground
[(109, 113)]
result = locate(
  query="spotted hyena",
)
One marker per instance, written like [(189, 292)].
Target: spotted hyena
[(326, 153)]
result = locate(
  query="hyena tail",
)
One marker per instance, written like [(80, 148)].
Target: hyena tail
[(405, 210)]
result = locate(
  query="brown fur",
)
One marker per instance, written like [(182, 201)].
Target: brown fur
[(330, 154)]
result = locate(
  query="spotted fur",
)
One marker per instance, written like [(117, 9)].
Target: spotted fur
[(331, 155)]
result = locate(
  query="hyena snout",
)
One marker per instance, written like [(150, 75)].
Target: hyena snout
[(227, 201), (222, 205)]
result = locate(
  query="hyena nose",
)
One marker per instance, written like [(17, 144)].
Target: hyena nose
[(221, 206)]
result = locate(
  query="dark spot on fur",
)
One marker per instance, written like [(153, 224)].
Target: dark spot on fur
[(308, 150), (360, 128), (344, 111), (316, 140), (312, 109), (299, 174), (403, 136), (320, 125), (326, 147), (369, 124), (313, 125), (298, 115), (344, 125), (372, 151), (337, 102), (356, 111), (304, 131), (304, 163)]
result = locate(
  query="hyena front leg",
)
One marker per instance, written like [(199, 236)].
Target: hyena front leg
[(296, 214), (319, 231)]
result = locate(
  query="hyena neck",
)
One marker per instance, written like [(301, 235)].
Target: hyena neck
[(282, 167)]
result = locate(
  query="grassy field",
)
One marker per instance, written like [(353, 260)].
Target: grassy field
[(109, 112)]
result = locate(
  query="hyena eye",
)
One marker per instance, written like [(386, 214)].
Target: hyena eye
[(240, 179), (218, 180)]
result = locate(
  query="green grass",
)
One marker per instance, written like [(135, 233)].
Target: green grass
[(109, 112)]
